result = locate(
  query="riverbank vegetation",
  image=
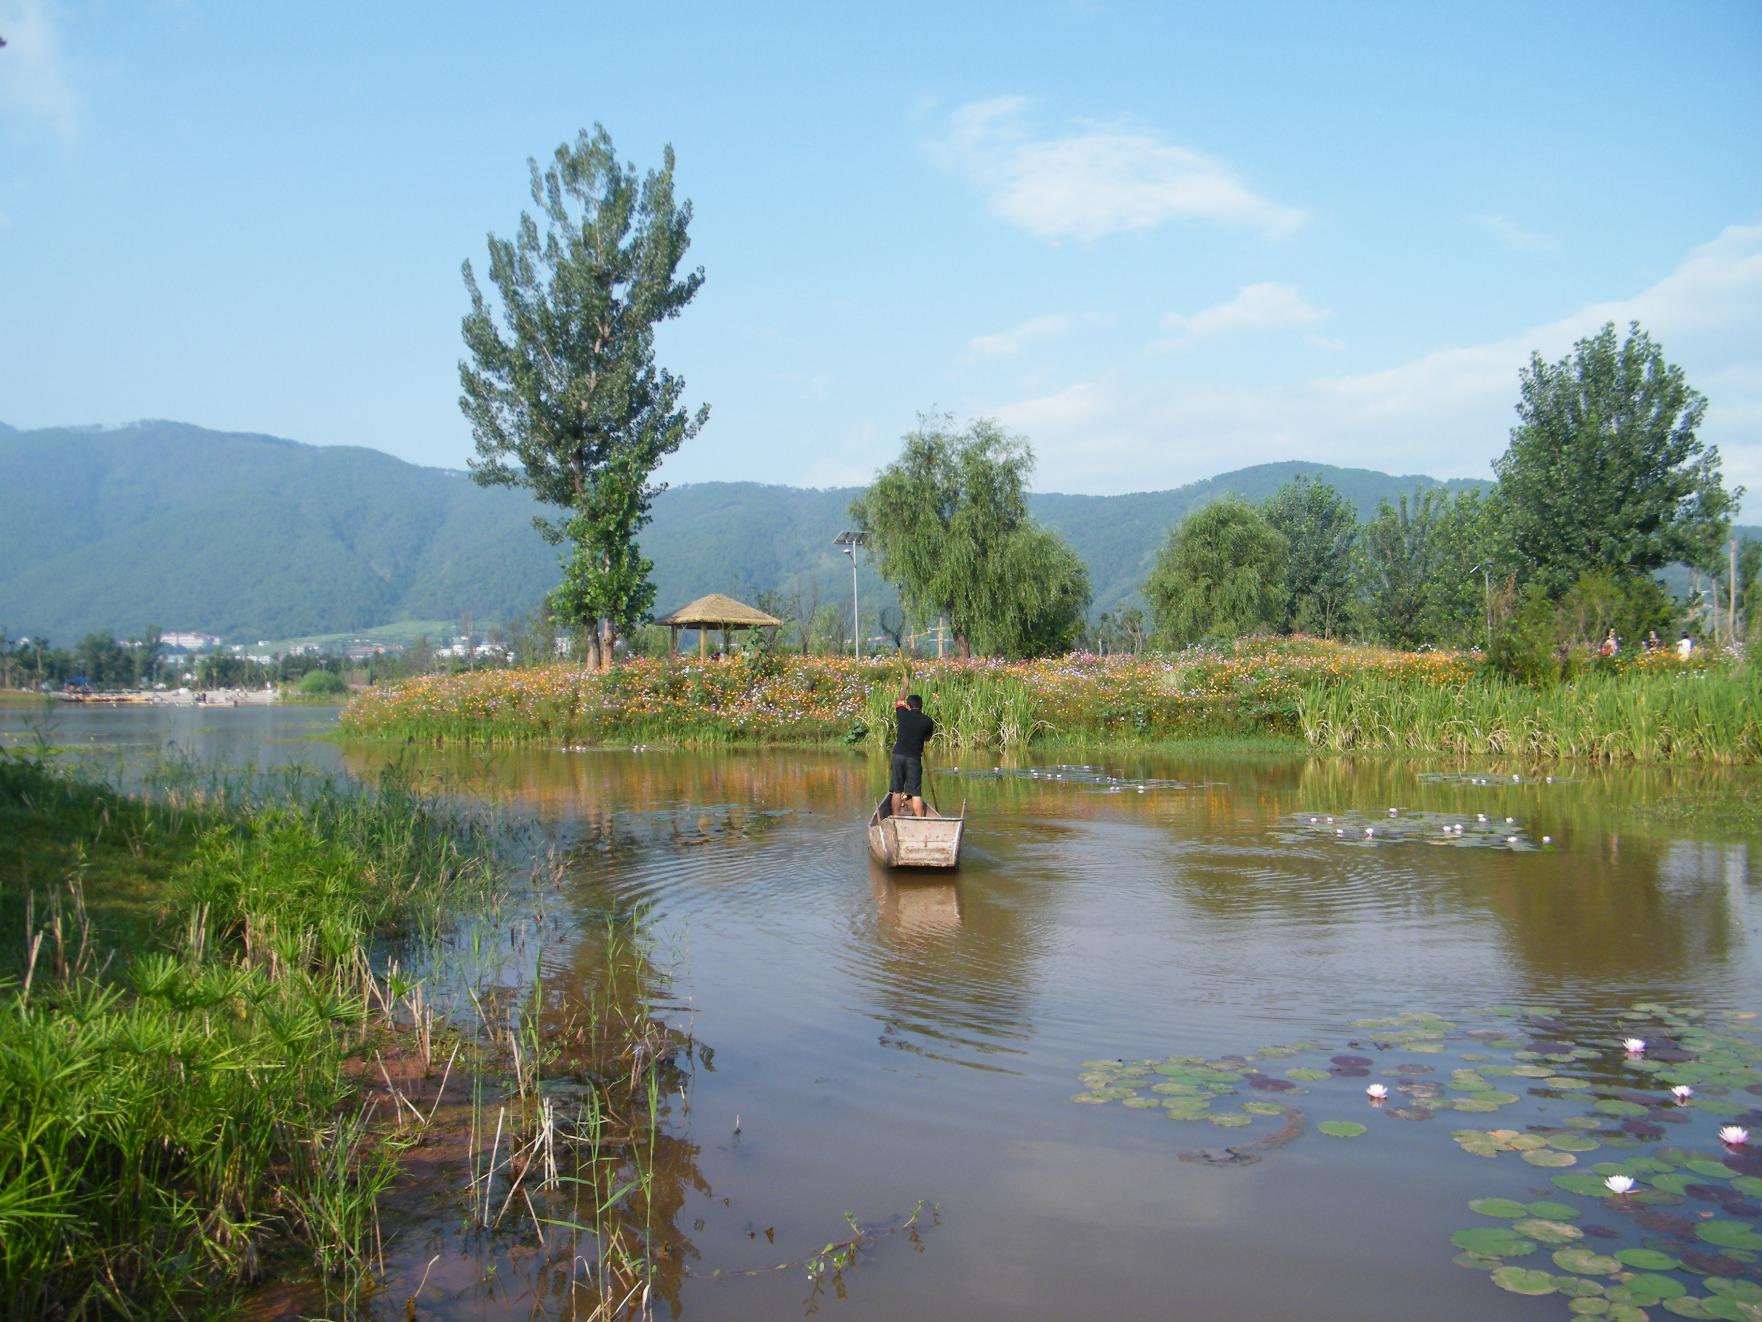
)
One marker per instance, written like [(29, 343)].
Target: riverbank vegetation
[(178, 1115), (1334, 696)]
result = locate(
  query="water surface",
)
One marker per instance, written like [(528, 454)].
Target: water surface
[(883, 1040)]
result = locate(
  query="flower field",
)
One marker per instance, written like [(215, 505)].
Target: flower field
[(1329, 695)]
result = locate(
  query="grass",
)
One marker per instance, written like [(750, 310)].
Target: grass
[(1322, 695), (194, 970)]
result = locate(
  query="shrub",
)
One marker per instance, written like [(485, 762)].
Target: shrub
[(323, 684)]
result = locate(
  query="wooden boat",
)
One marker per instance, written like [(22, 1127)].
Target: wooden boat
[(905, 841)]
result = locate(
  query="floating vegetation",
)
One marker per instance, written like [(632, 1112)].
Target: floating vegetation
[(1087, 779), (1401, 826), (1644, 1117)]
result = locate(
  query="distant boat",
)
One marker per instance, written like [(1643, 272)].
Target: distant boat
[(916, 842)]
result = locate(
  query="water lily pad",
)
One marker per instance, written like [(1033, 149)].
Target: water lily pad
[(1142, 1103), (1590, 1307), (1089, 1098), (1263, 1108), (1744, 1291), (1713, 1170), (1651, 1288), (1685, 1305), (1507, 1208), (1473, 1103), (1308, 1074), (1590, 1186), (1496, 1241), (1550, 1211), (1342, 1128), (1228, 1121), (1677, 1182), (1585, 1262), (1561, 1083), (1616, 1106), (1578, 1287), (1729, 1234), (1522, 1280), (1749, 1184), (1572, 1143), (1547, 1157), (1548, 1232), (1648, 1260)]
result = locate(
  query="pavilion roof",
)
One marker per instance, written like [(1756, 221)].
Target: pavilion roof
[(716, 611)]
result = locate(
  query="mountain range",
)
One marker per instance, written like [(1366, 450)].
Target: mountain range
[(170, 525)]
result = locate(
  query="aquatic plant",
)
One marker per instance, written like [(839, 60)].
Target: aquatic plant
[(1735, 1135), (177, 1112)]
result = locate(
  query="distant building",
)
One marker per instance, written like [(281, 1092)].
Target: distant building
[(189, 641)]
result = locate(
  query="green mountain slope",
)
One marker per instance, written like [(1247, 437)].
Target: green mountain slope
[(167, 524)]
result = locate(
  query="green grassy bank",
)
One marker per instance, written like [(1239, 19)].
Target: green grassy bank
[(191, 978), (1323, 695)]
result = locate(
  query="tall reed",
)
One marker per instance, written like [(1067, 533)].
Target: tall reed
[(174, 1104)]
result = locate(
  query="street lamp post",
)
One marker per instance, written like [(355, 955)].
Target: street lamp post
[(1487, 585), (848, 542)]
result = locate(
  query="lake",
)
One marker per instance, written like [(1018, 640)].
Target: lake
[(1052, 1045)]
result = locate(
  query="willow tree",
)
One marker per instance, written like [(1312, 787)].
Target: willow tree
[(1221, 574), (948, 524), (561, 385)]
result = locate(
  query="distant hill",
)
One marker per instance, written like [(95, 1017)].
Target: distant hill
[(247, 536)]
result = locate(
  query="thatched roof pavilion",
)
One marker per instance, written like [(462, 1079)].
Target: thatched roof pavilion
[(715, 612)]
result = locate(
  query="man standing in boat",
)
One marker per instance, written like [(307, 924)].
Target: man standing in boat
[(906, 783)]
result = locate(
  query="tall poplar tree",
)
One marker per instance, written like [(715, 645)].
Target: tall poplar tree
[(561, 385), (1604, 470)]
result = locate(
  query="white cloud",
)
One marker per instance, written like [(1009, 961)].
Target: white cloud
[(33, 81), (1511, 233), (1000, 344), (1259, 307), (1447, 413), (1095, 180)]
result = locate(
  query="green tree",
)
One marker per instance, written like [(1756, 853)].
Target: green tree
[(1221, 574), (1604, 470), (1428, 569), (948, 525), (569, 401), (1320, 527)]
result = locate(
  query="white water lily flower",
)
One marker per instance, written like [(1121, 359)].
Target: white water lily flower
[(1619, 1184), (1736, 1135), (1634, 1045), (1377, 1092), (1682, 1092)]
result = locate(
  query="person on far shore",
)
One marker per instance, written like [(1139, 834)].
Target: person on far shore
[(1611, 645), (906, 780), (1685, 646), (1652, 643)]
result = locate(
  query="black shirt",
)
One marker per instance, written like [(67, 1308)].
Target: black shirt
[(914, 729)]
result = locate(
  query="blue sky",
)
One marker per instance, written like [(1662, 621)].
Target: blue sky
[(1159, 241)]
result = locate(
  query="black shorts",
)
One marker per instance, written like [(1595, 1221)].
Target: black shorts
[(908, 776)]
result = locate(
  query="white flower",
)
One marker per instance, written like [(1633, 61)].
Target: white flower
[(1377, 1092), (1619, 1184), (1736, 1135), (1682, 1092), (1635, 1045)]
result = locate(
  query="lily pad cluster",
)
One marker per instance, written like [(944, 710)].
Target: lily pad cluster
[(1622, 1192), (1073, 776), (1404, 826)]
